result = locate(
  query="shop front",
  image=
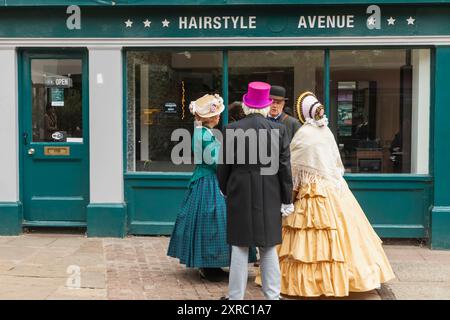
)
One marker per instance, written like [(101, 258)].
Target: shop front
[(92, 93)]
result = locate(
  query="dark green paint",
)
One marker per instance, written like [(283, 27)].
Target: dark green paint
[(440, 231), (106, 220), (10, 218), (441, 128), (326, 84), (388, 177), (275, 21), (432, 110), (154, 201), (200, 2), (54, 224), (225, 86), (54, 189), (440, 217), (405, 206)]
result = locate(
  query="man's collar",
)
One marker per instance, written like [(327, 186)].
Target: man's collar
[(277, 117)]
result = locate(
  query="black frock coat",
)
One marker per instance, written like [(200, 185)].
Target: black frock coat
[(254, 199)]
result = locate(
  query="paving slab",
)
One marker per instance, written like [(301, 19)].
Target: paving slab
[(14, 253), (81, 260), (93, 280), (65, 293), (5, 240), (50, 256), (90, 246), (396, 253), (32, 241), (421, 272), (436, 256), (5, 266), (41, 271), (421, 291), (67, 242), (28, 288)]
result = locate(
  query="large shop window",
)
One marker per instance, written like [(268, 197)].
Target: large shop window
[(379, 100), (379, 109), (296, 70), (161, 84)]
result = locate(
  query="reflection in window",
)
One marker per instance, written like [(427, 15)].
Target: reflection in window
[(161, 84), (296, 70), (371, 109)]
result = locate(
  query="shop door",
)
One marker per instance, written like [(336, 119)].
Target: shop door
[(54, 137)]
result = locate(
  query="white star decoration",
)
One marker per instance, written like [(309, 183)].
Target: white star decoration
[(391, 21), (147, 23), (410, 20), (371, 21), (165, 23), (128, 23)]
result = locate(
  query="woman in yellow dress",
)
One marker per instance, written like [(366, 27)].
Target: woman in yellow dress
[(329, 247)]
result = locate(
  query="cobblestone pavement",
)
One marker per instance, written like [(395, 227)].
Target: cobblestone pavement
[(138, 268), (46, 266)]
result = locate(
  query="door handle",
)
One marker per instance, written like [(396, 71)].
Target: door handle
[(25, 138), (31, 151)]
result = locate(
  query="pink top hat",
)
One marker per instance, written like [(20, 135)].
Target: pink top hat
[(257, 96)]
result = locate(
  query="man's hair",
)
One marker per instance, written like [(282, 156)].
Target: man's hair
[(263, 111)]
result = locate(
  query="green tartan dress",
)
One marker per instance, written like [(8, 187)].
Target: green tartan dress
[(199, 235)]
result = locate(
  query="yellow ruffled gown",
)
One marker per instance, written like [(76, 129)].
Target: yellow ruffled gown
[(328, 245)]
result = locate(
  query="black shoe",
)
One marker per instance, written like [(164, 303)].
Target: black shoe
[(224, 298), (213, 274), (219, 272)]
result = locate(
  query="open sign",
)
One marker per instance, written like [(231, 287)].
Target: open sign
[(58, 82), (62, 82)]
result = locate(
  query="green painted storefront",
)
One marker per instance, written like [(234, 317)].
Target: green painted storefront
[(403, 205)]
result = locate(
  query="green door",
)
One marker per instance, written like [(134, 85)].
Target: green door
[(54, 136)]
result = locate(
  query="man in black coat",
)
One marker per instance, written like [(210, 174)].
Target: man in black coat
[(278, 111), (255, 177)]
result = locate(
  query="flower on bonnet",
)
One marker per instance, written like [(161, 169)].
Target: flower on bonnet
[(206, 105)]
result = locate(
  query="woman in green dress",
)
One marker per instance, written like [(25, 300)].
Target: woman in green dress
[(199, 236)]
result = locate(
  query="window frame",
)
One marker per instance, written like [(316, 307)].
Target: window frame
[(326, 88)]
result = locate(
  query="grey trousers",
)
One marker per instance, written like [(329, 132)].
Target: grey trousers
[(270, 273)]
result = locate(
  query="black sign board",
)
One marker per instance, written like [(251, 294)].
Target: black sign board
[(170, 107)]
